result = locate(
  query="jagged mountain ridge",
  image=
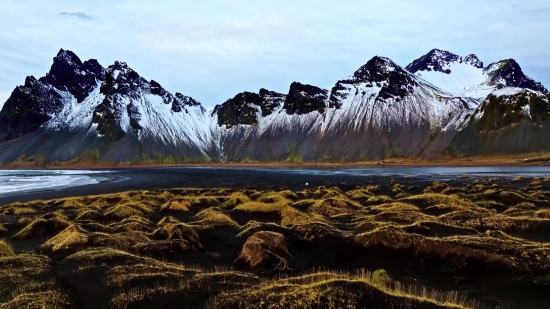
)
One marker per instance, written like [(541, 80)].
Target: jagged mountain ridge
[(111, 110), (467, 77), (381, 110)]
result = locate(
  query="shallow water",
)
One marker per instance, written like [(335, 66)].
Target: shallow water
[(443, 173), (21, 181), (17, 182)]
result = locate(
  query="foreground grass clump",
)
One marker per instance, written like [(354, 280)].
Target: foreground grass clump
[(276, 248), (261, 207), (28, 281), (339, 290), (5, 249)]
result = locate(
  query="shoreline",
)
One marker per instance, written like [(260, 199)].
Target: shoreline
[(232, 176)]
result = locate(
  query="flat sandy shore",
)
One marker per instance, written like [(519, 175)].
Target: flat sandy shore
[(509, 160)]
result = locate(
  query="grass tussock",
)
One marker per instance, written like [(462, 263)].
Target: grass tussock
[(28, 281), (278, 197), (70, 238), (124, 211), (264, 250), (178, 205), (235, 199), (543, 214), (212, 218), (339, 290), (5, 249), (396, 206), (430, 199), (291, 216), (261, 207), (380, 199)]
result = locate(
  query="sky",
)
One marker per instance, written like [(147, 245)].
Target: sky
[(214, 49)]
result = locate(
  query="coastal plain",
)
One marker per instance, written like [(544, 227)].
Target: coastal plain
[(362, 242)]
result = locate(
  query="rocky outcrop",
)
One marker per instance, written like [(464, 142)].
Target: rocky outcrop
[(506, 124), (243, 109), (68, 73), (304, 99), (438, 60), (508, 73), (28, 108)]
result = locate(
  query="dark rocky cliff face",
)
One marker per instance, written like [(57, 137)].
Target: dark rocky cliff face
[(437, 59), (180, 102), (121, 81), (304, 99), (508, 73), (245, 106), (34, 103), (382, 72), (516, 123), (68, 73), (27, 108)]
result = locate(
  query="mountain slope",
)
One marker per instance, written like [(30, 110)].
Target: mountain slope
[(380, 111), (440, 103), (79, 107), (507, 122)]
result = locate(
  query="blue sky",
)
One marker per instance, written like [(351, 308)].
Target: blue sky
[(213, 49)]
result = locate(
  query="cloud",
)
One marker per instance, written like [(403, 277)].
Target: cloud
[(77, 15)]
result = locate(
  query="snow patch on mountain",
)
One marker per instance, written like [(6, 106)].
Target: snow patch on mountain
[(76, 116), (464, 80)]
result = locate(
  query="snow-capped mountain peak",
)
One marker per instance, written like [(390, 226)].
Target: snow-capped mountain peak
[(508, 73), (391, 80), (442, 61), (380, 110), (68, 73)]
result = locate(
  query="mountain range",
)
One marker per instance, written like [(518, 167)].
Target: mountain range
[(441, 104)]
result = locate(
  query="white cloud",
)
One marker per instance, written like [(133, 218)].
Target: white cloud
[(212, 50)]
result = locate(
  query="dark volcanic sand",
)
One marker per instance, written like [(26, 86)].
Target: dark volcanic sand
[(126, 179)]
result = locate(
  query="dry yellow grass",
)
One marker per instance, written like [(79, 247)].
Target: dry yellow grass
[(396, 206), (177, 205), (28, 282), (280, 197), (261, 207), (211, 217), (543, 213), (3, 229), (380, 199), (335, 206), (264, 250), (235, 199), (123, 211), (432, 199), (466, 229), (37, 227), (292, 216), (167, 220), (5, 249), (337, 290), (71, 237)]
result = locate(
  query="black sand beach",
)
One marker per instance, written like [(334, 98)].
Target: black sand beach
[(126, 179), (166, 178)]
